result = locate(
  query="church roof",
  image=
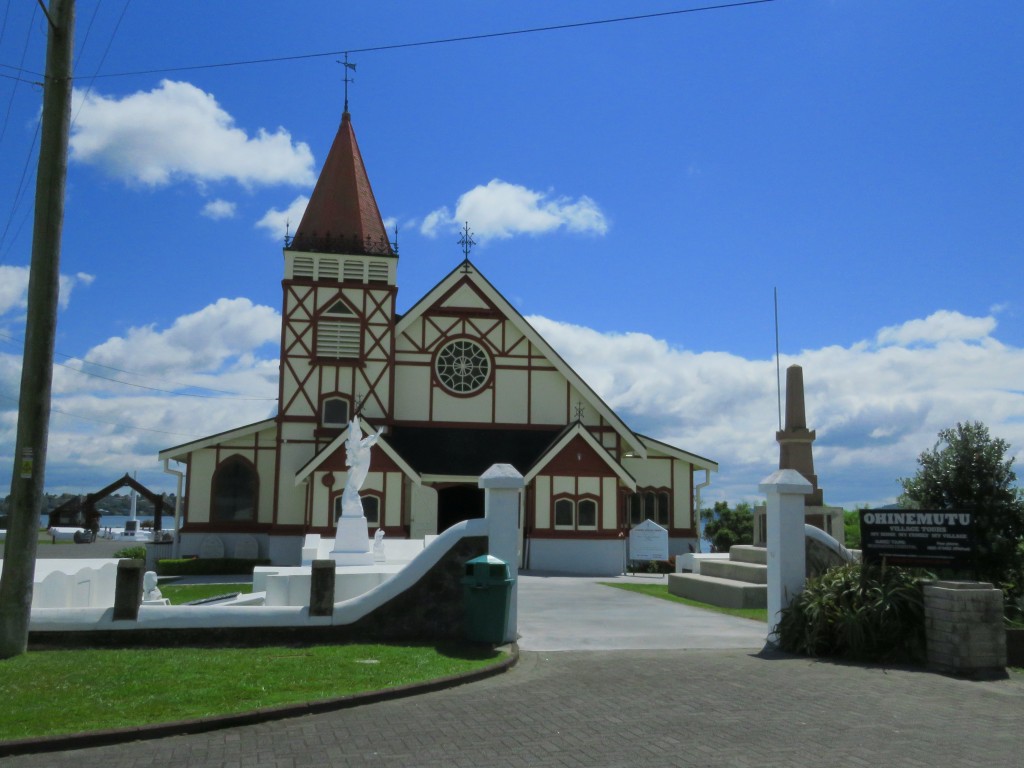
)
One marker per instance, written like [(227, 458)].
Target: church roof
[(342, 214), (465, 451), (467, 273)]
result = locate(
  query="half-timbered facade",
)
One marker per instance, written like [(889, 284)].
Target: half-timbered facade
[(459, 382)]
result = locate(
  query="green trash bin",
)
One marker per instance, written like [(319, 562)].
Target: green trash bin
[(487, 588)]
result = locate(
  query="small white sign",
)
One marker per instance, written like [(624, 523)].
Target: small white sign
[(648, 541)]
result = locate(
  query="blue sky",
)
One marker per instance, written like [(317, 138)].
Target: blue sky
[(637, 189)]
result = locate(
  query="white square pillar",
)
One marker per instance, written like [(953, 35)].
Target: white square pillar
[(502, 486), (784, 525)]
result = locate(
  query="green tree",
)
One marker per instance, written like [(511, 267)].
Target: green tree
[(724, 527), (969, 469), (851, 528)]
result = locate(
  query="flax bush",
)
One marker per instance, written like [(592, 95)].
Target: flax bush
[(864, 613)]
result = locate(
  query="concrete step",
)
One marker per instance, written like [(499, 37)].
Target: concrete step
[(745, 553), (725, 593), (752, 573)]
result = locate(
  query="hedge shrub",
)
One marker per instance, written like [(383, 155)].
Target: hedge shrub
[(864, 613), (207, 566), (132, 553)]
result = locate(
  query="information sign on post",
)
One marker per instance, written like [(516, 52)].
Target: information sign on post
[(918, 537), (648, 541)]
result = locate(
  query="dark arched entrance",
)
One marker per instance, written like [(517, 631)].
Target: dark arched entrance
[(457, 503)]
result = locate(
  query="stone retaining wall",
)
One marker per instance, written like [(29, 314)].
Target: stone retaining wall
[(964, 626)]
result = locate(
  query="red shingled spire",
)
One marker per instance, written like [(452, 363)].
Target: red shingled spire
[(342, 214)]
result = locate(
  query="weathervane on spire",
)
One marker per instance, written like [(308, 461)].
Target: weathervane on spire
[(348, 65), (467, 242)]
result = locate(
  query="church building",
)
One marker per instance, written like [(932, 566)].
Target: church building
[(457, 383)]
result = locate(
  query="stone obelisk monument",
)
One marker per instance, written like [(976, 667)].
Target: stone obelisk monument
[(796, 439)]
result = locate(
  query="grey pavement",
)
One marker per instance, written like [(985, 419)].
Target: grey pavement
[(643, 708), (69, 550), (643, 683), (571, 613)]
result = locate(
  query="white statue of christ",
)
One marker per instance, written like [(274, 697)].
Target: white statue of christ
[(351, 541), (357, 450)]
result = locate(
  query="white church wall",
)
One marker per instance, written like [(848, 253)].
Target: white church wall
[(682, 505), (585, 557), (542, 501), (422, 511), (548, 404), (412, 392), (475, 409), (200, 474), (609, 502), (654, 471), (393, 499), (512, 396)]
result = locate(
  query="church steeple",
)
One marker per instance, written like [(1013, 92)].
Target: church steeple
[(342, 214)]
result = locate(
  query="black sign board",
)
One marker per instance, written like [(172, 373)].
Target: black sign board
[(918, 537)]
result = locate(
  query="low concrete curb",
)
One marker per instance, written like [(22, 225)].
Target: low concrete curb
[(217, 722)]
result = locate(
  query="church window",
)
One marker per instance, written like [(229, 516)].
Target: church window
[(636, 509), (587, 510), (462, 366), (649, 504), (335, 412), (664, 514), (235, 487), (576, 513), (371, 509), (337, 332), (565, 513)]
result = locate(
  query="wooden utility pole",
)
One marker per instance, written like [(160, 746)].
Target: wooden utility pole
[(40, 328)]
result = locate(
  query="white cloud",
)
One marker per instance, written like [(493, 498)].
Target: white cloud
[(178, 131), (874, 407), (502, 210), (278, 223), (220, 361), (14, 288), (938, 327), (435, 221), (219, 209), (199, 342)]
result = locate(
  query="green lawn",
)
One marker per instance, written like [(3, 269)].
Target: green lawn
[(661, 591), (53, 692), (179, 594)]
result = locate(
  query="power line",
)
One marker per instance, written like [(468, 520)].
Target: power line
[(228, 395), (103, 58), (111, 423), (158, 389), (438, 41)]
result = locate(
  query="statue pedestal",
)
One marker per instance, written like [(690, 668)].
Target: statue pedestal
[(352, 542)]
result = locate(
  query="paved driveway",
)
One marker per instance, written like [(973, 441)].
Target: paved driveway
[(713, 709), (571, 613), (682, 687)]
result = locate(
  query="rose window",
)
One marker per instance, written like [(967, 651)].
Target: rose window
[(462, 366)]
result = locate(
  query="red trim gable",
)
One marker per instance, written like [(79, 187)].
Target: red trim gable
[(578, 458)]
